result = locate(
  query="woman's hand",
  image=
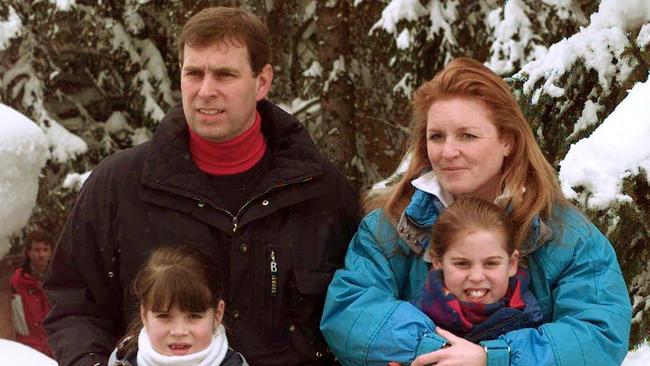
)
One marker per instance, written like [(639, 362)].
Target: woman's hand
[(460, 352)]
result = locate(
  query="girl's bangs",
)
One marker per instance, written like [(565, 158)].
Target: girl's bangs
[(177, 290)]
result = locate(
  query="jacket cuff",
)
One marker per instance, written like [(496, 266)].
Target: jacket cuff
[(498, 352), (430, 342)]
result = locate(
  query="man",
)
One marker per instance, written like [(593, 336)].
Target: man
[(227, 172), (28, 302)]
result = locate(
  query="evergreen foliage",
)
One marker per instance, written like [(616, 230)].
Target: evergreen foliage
[(97, 77)]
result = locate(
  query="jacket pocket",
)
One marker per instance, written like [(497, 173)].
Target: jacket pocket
[(312, 282), (308, 289)]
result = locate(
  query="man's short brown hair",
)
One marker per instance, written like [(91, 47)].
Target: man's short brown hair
[(232, 26)]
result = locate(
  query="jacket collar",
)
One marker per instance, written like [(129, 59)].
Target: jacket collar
[(27, 278), (429, 199), (169, 166)]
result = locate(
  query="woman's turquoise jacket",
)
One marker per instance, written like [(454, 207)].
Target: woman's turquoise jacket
[(368, 319)]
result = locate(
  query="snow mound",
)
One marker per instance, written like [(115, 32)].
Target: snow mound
[(23, 152), (14, 353)]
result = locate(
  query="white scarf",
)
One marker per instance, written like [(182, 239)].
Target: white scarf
[(211, 356)]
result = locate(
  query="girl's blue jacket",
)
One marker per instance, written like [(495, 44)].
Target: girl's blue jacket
[(368, 319)]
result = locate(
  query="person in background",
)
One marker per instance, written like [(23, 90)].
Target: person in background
[(228, 172), (28, 301), (470, 138)]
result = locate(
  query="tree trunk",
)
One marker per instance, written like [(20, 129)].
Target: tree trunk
[(337, 93)]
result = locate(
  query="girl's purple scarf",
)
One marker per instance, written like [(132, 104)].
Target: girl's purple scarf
[(460, 317)]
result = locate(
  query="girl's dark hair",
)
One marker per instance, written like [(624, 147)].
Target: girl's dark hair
[(173, 276), (468, 214)]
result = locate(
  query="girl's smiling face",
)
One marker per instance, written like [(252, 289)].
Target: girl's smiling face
[(177, 333), (477, 267)]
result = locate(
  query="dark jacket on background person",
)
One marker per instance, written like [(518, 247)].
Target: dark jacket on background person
[(29, 308), (276, 255)]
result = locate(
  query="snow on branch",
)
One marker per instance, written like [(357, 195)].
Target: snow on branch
[(441, 16), (153, 80), (600, 46), (10, 28), (616, 150), (397, 10), (63, 5), (514, 35), (64, 145)]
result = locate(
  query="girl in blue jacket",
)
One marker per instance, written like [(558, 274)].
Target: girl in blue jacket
[(470, 138), (475, 288)]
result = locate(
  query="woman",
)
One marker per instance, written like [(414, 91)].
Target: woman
[(471, 139)]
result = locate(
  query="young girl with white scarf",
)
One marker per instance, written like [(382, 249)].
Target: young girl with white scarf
[(181, 311)]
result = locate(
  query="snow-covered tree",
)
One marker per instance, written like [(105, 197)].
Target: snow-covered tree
[(97, 77), (586, 99), (572, 65)]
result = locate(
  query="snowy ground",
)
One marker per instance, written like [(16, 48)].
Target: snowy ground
[(13, 353), (617, 149)]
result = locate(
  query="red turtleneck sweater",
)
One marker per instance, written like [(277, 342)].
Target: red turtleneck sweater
[(231, 157)]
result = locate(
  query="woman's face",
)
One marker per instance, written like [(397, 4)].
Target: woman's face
[(464, 148)]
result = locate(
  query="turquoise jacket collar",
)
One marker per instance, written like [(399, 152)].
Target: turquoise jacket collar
[(414, 227)]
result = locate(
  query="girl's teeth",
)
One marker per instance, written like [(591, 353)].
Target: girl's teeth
[(476, 293)]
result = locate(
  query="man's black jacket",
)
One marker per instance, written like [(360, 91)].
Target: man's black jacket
[(277, 254)]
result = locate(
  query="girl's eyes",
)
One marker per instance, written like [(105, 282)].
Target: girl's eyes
[(467, 264), (164, 316)]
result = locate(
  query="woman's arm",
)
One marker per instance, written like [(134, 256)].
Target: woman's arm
[(591, 312), (364, 321), (578, 277)]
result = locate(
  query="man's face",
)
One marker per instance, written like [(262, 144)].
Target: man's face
[(220, 91), (39, 255)]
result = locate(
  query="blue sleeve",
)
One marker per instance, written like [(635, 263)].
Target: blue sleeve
[(589, 305), (363, 321)]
